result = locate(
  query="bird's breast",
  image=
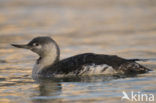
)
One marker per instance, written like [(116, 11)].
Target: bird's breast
[(36, 70)]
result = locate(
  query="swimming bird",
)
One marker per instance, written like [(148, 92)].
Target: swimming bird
[(50, 65)]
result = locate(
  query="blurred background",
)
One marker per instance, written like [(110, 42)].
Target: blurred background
[(123, 27)]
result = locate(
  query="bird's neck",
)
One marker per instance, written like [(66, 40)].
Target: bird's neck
[(45, 61)]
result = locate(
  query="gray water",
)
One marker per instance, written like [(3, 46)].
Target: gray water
[(126, 28)]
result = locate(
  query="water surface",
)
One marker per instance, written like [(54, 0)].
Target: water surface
[(123, 27)]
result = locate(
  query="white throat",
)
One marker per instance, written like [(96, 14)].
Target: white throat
[(51, 56)]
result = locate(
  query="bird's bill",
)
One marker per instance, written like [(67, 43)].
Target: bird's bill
[(21, 46)]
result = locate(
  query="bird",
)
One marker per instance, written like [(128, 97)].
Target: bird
[(49, 64)]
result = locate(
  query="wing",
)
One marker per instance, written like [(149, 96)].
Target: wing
[(75, 63)]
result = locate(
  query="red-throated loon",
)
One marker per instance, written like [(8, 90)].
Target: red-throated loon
[(49, 64)]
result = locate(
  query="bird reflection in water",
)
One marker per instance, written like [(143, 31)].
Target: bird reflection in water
[(52, 89)]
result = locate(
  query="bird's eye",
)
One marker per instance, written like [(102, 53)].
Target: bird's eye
[(35, 44)]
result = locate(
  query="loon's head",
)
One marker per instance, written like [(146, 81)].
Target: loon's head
[(43, 46), (46, 48)]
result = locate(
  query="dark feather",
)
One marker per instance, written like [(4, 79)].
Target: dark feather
[(75, 64)]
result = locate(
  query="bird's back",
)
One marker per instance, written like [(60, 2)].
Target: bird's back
[(90, 63)]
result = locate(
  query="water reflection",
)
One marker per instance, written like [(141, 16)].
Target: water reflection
[(123, 27), (57, 89), (48, 91)]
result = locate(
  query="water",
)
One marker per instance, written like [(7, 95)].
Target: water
[(123, 27)]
